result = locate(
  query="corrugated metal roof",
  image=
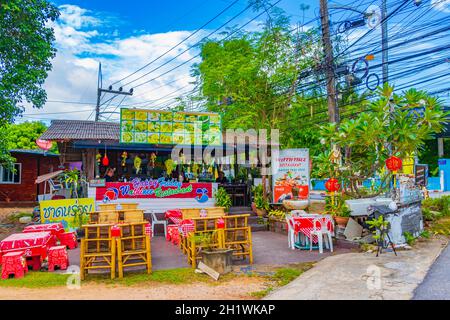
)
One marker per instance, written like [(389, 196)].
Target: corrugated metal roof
[(34, 151), (81, 130)]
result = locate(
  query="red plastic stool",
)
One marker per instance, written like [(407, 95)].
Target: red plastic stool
[(14, 263), (175, 237), (57, 256), (68, 239), (34, 262), (171, 229)]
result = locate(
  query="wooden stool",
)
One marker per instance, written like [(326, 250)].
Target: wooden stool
[(57, 256), (14, 263), (68, 239), (34, 262)]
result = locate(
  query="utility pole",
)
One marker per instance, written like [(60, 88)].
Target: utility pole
[(100, 90), (384, 41), (333, 113)]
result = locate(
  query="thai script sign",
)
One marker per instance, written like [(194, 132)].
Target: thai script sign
[(70, 212), (154, 189), (290, 168)]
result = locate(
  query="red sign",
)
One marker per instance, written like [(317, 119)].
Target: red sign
[(154, 189)]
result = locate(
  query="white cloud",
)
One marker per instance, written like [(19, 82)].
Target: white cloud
[(441, 5), (82, 44)]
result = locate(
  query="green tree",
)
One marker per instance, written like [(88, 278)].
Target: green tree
[(26, 49), (251, 78), (368, 140), (24, 135)]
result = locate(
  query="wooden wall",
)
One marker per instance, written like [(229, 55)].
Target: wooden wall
[(32, 166)]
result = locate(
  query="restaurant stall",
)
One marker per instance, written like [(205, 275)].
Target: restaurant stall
[(133, 159)]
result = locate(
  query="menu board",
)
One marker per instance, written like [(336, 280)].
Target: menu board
[(168, 127)]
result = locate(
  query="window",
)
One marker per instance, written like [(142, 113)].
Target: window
[(9, 177)]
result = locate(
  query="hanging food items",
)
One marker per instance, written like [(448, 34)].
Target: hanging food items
[(98, 158), (152, 159), (170, 166), (105, 160), (137, 164), (124, 158)]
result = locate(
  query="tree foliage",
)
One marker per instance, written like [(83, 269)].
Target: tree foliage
[(24, 135), (26, 50), (369, 139), (251, 78)]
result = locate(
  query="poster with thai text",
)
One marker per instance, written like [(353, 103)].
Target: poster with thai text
[(72, 213), (290, 168)]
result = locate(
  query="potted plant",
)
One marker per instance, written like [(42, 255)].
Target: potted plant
[(223, 199), (336, 206), (216, 258), (72, 180), (261, 205)]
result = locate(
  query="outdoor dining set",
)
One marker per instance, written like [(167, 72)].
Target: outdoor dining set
[(310, 231), (36, 243), (224, 231)]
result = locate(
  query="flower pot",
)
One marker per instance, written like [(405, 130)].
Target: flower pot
[(260, 212), (341, 221), (219, 260), (253, 207)]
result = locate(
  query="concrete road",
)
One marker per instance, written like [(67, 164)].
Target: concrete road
[(436, 285)]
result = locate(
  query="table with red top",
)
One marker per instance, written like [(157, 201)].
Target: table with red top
[(184, 226), (33, 244), (305, 225), (54, 228)]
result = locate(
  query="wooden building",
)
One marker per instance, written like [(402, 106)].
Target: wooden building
[(19, 187)]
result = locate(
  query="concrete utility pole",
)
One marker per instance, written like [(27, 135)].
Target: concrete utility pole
[(100, 90), (333, 112), (384, 41)]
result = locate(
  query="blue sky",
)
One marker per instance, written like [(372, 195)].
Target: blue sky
[(126, 35)]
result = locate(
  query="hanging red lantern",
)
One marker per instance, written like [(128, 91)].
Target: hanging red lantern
[(105, 160), (332, 185), (394, 163)]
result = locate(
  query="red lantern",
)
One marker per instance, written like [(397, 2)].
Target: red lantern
[(115, 231), (332, 185), (394, 163), (105, 160)]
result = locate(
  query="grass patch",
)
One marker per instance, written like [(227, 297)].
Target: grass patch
[(36, 279), (171, 276), (16, 216), (282, 277), (441, 227)]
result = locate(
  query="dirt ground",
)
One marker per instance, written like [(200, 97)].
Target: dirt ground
[(235, 289)]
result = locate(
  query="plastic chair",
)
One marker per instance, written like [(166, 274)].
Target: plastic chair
[(291, 231), (321, 229), (156, 221)]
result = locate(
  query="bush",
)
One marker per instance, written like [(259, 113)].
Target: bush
[(435, 208)]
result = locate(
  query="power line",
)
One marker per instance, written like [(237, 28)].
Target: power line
[(178, 44)]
